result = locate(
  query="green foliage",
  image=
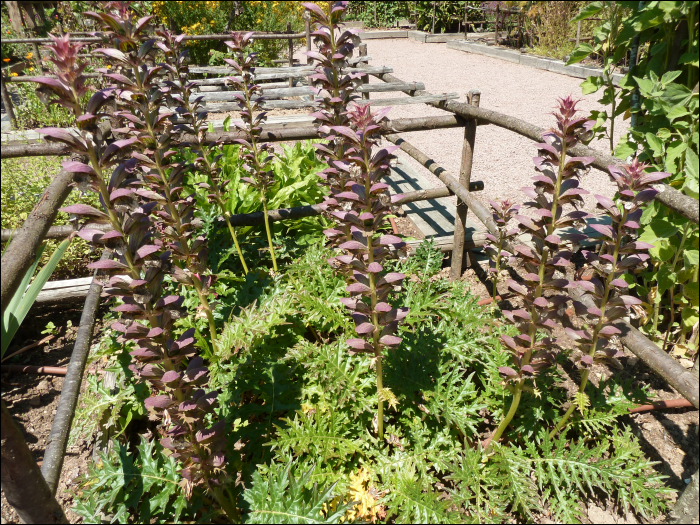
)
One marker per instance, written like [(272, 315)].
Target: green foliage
[(388, 13), (23, 182), (32, 113), (109, 402), (296, 184), (426, 262), (142, 486), (299, 417), (409, 502), (214, 17), (553, 27), (25, 295), (664, 133), (279, 497)]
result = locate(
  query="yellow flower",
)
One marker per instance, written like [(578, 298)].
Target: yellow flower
[(109, 66), (13, 74), (29, 55), (31, 69)]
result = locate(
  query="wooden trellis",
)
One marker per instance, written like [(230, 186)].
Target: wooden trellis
[(38, 226)]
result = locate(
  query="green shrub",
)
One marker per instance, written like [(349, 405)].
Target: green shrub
[(212, 17), (23, 182)]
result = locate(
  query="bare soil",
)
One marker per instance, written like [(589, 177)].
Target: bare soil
[(32, 399)]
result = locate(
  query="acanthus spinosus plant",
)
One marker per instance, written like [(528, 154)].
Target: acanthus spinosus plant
[(150, 223), (257, 155), (366, 205), (335, 90), (188, 105), (620, 254), (556, 185), (503, 212)]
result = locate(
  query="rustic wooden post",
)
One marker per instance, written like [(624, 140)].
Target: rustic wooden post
[(7, 101), (433, 29), (290, 50), (465, 175), (365, 79), (15, 17), (578, 32), (31, 22), (466, 11), (22, 482), (307, 24), (495, 33)]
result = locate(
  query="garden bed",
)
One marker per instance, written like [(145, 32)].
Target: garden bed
[(422, 404)]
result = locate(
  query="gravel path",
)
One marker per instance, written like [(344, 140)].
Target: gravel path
[(502, 159)]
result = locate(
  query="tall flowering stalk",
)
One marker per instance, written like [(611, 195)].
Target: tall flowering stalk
[(141, 103), (606, 289), (148, 230), (503, 212), (556, 185), (257, 155), (188, 103), (335, 90), (365, 204)]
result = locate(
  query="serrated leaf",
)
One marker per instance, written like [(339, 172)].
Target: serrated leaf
[(279, 497)]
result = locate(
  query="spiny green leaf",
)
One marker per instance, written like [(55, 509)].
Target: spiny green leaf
[(278, 497)]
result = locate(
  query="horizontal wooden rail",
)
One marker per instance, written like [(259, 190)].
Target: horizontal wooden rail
[(448, 179), (273, 93), (674, 199), (222, 107), (663, 364), (272, 133), (211, 70), (56, 290)]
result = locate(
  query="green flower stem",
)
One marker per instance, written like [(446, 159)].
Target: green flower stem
[(230, 509), (214, 187), (509, 416), (501, 236), (269, 236), (599, 326), (258, 169)]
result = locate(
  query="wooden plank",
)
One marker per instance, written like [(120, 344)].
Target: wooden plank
[(274, 93), (226, 70), (299, 72), (465, 175), (423, 99), (298, 104), (67, 290)]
